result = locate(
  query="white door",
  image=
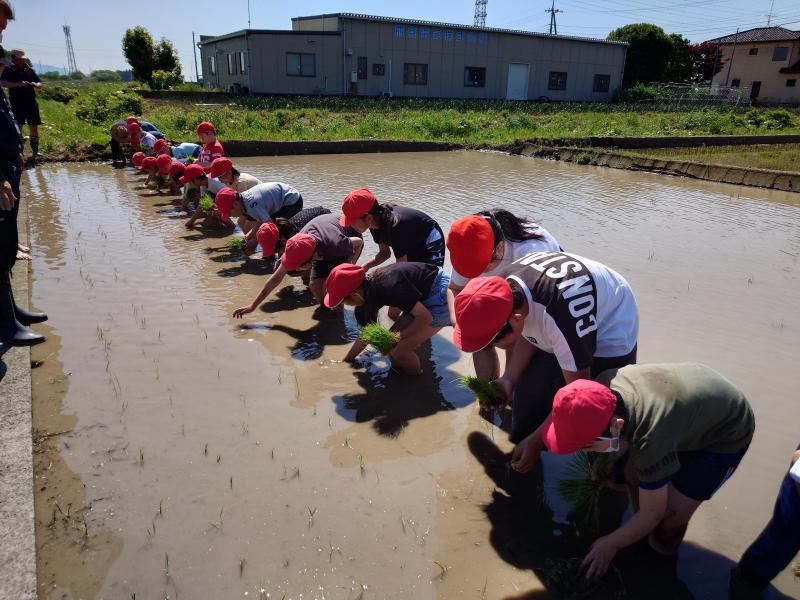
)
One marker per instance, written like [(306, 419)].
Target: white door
[(517, 82)]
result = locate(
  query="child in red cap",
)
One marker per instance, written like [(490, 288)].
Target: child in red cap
[(684, 427), (319, 247), (417, 289), (163, 162), (273, 235), (211, 148), (150, 167)]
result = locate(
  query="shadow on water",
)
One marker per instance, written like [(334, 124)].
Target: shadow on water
[(330, 329), (392, 399), (289, 298)]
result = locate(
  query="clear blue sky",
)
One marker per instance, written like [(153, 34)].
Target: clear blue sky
[(98, 25)]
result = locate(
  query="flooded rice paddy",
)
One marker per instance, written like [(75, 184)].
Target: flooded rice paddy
[(181, 455)]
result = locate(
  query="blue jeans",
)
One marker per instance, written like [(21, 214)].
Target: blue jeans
[(436, 302), (778, 544)]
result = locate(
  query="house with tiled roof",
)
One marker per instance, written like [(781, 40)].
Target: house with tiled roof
[(765, 59)]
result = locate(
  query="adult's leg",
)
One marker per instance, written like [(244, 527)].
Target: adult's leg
[(33, 124), (533, 394)]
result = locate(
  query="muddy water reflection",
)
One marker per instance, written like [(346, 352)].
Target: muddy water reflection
[(276, 468)]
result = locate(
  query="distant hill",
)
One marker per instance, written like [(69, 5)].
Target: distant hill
[(40, 68)]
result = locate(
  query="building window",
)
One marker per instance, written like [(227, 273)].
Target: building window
[(601, 83), (242, 63), (212, 65), (474, 76), (736, 83), (415, 74), (398, 31), (412, 32), (780, 53), (448, 36), (423, 33), (362, 67), (472, 38), (753, 51), (300, 65), (231, 64), (459, 36), (378, 69), (791, 82), (557, 81), (483, 38), (436, 34)]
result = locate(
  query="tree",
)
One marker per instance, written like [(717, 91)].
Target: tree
[(50, 76), (679, 65), (648, 53), (104, 75), (137, 46), (76, 75), (707, 61)]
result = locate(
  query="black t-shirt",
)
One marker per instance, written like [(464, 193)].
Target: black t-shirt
[(409, 232), (403, 284), (21, 95), (10, 147)]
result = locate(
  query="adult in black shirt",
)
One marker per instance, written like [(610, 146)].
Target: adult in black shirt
[(22, 81), (417, 289), (13, 320)]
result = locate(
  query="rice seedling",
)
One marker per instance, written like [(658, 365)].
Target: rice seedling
[(582, 486), (161, 507), (205, 449), (489, 394), (443, 568), (160, 180), (219, 458), (379, 337), (236, 244), (141, 457), (166, 565), (231, 482), (206, 203), (362, 464), (311, 514)]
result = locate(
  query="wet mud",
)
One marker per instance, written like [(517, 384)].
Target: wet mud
[(182, 453)]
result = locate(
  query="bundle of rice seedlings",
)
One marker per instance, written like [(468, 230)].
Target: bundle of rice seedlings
[(236, 244), (206, 203), (489, 394), (189, 160), (160, 180), (379, 337), (581, 489)]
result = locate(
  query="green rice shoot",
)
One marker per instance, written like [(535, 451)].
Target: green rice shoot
[(189, 160), (379, 337), (160, 180), (206, 203), (488, 393), (236, 244), (583, 484)]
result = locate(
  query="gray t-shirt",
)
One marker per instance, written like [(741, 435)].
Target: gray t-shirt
[(332, 239), (674, 408), (264, 200)]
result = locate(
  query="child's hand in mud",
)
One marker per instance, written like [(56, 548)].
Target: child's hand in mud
[(244, 310), (599, 558), (506, 386)]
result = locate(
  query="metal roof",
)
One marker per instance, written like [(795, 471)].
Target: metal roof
[(760, 34), (211, 39), (398, 21)]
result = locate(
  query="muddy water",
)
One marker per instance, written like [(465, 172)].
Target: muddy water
[(197, 459)]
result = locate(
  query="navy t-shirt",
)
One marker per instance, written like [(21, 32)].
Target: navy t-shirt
[(403, 284), (22, 95), (409, 232)]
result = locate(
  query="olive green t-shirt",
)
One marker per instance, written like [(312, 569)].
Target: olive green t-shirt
[(675, 408)]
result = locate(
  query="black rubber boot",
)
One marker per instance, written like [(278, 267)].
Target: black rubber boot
[(12, 332), (25, 317)]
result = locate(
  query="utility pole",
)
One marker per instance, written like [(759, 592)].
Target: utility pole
[(553, 10), (73, 67), (733, 52), (194, 49), (769, 16), (480, 13), (248, 14)]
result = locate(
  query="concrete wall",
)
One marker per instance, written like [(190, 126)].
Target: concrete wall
[(748, 68)]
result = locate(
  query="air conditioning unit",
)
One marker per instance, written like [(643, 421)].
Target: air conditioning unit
[(348, 52)]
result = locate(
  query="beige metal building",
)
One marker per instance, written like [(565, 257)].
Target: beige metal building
[(374, 56), (765, 59)]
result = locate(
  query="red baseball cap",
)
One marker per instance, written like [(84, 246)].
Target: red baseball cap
[(471, 244), (131, 120), (482, 309), (206, 127), (163, 161), (149, 162), (343, 280), (137, 159), (134, 128), (159, 145), (175, 168), (356, 204), (224, 201), (299, 250), (581, 412), (267, 237), (219, 166), (192, 172)]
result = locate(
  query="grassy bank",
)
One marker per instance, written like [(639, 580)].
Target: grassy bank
[(784, 157), (79, 127)]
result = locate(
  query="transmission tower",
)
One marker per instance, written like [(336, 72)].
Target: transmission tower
[(553, 10), (480, 13), (72, 65)]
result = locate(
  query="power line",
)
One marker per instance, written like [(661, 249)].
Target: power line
[(553, 25)]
